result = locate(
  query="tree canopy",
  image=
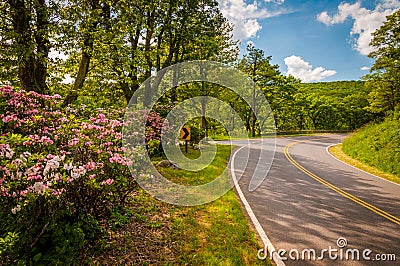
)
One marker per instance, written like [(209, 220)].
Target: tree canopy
[(108, 49), (384, 78)]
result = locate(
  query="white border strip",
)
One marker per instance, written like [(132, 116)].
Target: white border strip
[(256, 223), (327, 150)]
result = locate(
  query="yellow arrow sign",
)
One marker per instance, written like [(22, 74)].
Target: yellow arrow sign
[(185, 133)]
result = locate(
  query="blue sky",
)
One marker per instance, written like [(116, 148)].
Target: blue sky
[(314, 40)]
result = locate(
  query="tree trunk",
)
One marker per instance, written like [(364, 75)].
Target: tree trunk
[(80, 78), (32, 68), (43, 44), (87, 51), (147, 54), (253, 115), (203, 114)]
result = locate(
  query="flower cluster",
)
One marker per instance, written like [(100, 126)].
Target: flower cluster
[(57, 165), (23, 111)]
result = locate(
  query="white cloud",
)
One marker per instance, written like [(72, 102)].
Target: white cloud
[(365, 21), (303, 70), (364, 68), (275, 1), (245, 17)]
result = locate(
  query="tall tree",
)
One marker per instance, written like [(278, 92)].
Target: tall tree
[(26, 27), (385, 73), (258, 67), (82, 24), (143, 37)]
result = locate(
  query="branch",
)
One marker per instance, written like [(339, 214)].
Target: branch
[(43, 229)]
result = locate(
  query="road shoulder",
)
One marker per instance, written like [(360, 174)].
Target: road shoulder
[(337, 152)]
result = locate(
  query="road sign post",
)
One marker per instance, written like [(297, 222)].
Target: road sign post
[(185, 135)]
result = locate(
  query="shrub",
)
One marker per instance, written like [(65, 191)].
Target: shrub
[(61, 174)]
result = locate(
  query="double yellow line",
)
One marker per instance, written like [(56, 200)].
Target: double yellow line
[(345, 194)]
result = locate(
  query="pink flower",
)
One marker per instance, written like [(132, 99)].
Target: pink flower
[(34, 177), (45, 140), (32, 111), (4, 192), (92, 176), (116, 158), (6, 151), (16, 209), (39, 188), (58, 192), (27, 142), (9, 118), (23, 193), (73, 142), (107, 143), (90, 166), (6, 90), (108, 182)]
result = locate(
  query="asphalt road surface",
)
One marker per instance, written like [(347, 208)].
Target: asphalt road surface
[(309, 200)]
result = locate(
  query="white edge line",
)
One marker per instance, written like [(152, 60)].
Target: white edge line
[(327, 150), (267, 243)]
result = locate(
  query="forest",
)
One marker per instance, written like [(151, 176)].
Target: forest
[(68, 69), (97, 54)]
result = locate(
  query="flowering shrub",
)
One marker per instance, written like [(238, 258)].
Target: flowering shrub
[(61, 173)]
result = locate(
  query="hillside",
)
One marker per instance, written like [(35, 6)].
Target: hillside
[(377, 145), (335, 88)]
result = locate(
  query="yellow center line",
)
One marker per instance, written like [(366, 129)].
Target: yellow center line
[(338, 190)]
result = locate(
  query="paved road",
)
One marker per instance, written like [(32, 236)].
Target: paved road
[(310, 208)]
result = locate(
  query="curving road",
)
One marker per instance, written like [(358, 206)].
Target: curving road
[(309, 200)]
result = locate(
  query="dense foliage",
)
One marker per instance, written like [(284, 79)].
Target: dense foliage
[(62, 173), (378, 144), (62, 165), (338, 105), (104, 50), (97, 53), (384, 78)]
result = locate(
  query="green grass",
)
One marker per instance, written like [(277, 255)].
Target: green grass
[(338, 153), (203, 176), (217, 233), (377, 145)]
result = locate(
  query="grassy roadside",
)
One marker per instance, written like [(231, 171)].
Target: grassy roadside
[(217, 233), (377, 145), (338, 153)]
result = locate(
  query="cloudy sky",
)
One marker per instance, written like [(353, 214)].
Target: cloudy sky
[(314, 40)]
